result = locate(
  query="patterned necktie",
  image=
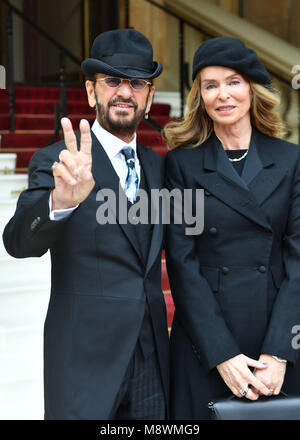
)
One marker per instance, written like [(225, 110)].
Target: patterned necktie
[(132, 181)]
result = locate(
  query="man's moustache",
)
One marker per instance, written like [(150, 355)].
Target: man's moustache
[(122, 101)]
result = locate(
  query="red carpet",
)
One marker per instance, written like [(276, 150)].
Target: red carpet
[(34, 119), (35, 122)]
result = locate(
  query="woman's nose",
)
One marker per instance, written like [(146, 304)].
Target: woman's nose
[(223, 92)]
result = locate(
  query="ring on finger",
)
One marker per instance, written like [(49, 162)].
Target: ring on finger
[(244, 391), (54, 165)]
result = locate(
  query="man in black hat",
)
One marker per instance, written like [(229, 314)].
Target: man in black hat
[(106, 339)]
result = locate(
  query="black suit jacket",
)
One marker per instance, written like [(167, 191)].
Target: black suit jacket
[(236, 287), (99, 286)]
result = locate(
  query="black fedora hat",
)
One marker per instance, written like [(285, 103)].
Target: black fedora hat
[(125, 53)]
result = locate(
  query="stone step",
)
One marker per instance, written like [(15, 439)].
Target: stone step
[(7, 161), (3, 252), (7, 209), (20, 306), (22, 400), (21, 352), (24, 272), (11, 185), (21, 372)]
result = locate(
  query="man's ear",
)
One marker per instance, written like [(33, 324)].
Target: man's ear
[(90, 90), (150, 99)]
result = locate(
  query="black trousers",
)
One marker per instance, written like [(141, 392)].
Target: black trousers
[(141, 395)]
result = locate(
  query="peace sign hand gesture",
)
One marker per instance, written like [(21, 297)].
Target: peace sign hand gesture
[(72, 174)]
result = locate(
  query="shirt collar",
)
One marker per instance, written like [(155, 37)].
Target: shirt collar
[(111, 143)]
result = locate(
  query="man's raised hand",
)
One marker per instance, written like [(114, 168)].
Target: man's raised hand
[(73, 173)]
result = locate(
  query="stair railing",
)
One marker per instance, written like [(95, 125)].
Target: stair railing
[(60, 109), (183, 66)]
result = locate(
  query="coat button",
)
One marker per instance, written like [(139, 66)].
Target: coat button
[(213, 231), (195, 351), (225, 270), (262, 269)]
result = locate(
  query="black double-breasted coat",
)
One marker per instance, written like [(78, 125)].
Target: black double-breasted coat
[(99, 286), (236, 286)]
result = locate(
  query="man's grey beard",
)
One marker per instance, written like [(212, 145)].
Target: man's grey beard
[(127, 127)]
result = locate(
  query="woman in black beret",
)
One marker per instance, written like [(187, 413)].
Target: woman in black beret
[(236, 286)]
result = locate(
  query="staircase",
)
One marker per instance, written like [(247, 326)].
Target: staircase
[(35, 121), (25, 283), (24, 295)]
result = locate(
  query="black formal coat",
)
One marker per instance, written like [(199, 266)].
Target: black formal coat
[(98, 287), (236, 286)]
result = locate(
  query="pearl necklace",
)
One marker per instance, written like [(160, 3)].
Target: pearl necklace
[(235, 159), (239, 158)]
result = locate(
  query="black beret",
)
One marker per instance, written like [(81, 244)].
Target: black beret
[(233, 53)]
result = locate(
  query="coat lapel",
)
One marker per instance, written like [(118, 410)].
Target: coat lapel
[(224, 167), (253, 164), (155, 181), (270, 175), (106, 177), (221, 180)]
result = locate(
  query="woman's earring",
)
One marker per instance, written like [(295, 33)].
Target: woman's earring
[(146, 116)]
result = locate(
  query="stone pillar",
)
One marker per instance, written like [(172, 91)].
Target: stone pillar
[(269, 15), (155, 25), (62, 20), (18, 36), (294, 24)]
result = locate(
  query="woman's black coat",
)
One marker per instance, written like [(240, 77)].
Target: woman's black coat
[(236, 286)]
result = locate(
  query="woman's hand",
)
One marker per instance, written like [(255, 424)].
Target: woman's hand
[(272, 376), (238, 376)]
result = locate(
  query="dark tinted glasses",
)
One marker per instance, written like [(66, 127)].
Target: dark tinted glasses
[(114, 82)]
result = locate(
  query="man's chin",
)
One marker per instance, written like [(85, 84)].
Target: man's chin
[(123, 122), (122, 119)]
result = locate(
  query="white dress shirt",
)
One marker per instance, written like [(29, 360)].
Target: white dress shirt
[(112, 146)]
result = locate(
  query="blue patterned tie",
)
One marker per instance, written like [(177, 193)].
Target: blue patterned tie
[(132, 181)]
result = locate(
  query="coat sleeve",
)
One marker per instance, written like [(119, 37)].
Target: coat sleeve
[(30, 232), (286, 310), (196, 307)]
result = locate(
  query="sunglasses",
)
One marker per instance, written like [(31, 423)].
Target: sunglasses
[(114, 83)]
